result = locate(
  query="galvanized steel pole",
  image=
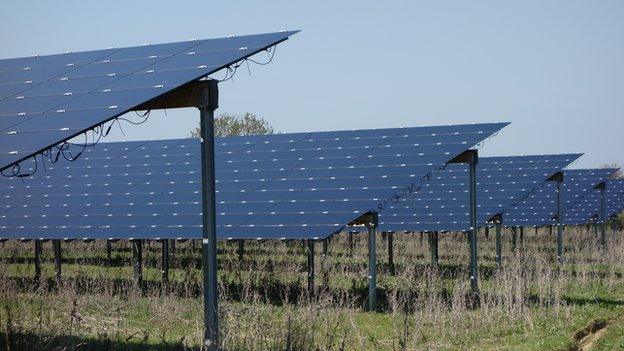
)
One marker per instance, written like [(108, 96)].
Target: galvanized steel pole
[(56, 246), (559, 227), (209, 97), (372, 263), (391, 252), (473, 232), (499, 245), (603, 221), (37, 260), (165, 262), (311, 272), (137, 254)]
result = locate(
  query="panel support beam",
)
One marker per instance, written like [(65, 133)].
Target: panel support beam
[(137, 255), (310, 251), (351, 245), (207, 103), (521, 238), (372, 261), (390, 242), (325, 265), (241, 250), (498, 223), (56, 247), (473, 233), (514, 238), (109, 251), (471, 157), (602, 220), (433, 248), (165, 262), (37, 260), (558, 177), (172, 249)]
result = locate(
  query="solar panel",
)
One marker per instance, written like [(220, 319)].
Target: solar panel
[(615, 204), (442, 204), (45, 100), (301, 185), (540, 208), (587, 210)]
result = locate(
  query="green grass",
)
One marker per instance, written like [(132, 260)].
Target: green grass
[(532, 304)]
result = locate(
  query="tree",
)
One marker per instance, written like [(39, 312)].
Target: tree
[(229, 124)]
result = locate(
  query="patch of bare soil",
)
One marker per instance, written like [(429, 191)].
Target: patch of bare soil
[(586, 337)]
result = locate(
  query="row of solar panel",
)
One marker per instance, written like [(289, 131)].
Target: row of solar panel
[(92, 198), (268, 194), (279, 186), (45, 100)]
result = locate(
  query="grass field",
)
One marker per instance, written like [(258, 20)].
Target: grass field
[(531, 303)]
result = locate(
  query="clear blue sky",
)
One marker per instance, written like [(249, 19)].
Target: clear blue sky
[(555, 69)]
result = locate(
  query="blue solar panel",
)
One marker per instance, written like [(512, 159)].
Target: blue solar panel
[(443, 204), (540, 208), (615, 202), (298, 185), (587, 209), (45, 100)]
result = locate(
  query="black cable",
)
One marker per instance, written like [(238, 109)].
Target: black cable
[(64, 149)]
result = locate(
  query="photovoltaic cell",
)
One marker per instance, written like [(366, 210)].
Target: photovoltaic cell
[(45, 100), (443, 202), (300, 185), (540, 208), (587, 210)]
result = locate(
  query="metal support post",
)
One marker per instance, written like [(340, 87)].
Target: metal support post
[(433, 247), (351, 243), (473, 232), (209, 97), (487, 233), (471, 157), (165, 262), (521, 237), (37, 260), (602, 216), (325, 265), (514, 238), (372, 263), (499, 245), (56, 246), (109, 251), (137, 254), (390, 237), (559, 226), (172, 249), (310, 244), (241, 250)]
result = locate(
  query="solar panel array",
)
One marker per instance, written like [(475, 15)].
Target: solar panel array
[(587, 210), (443, 204), (279, 186), (45, 100), (615, 198), (540, 208)]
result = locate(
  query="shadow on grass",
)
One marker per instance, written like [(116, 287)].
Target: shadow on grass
[(32, 341), (594, 301)]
